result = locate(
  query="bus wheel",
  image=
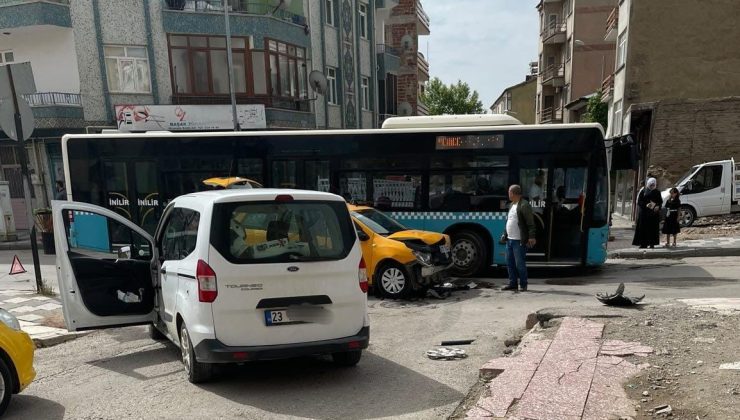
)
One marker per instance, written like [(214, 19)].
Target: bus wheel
[(686, 216), (468, 253), (393, 281)]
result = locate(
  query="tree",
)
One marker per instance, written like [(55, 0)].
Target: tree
[(597, 111), (453, 99)]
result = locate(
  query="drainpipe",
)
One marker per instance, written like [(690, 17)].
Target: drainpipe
[(323, 61)]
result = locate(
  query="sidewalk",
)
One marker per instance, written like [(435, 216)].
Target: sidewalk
[(33, 311), (715, 247)]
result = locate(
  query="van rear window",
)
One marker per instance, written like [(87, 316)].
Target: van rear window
[(276, 232)]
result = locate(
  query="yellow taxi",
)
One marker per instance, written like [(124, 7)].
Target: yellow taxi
[(232, 182), (400, 261), (16, 358)]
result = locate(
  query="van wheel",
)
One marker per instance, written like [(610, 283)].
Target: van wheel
[(6, 386), (347, 358), (155, 334), (393, 281), (469, 254), (686, 216), (197, 372)]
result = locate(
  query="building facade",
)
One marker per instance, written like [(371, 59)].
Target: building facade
[(573, 56), (678, 97), (518, 101), (104, 63)]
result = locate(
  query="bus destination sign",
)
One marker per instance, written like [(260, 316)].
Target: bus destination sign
[(470, 141)]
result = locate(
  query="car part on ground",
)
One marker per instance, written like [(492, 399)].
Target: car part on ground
[(446, 353), (618, 298)]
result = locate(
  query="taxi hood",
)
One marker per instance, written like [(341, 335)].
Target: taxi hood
[(419, 236)]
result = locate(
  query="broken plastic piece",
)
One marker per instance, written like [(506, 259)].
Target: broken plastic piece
[(446, 353), (128, 297), (618, 299)]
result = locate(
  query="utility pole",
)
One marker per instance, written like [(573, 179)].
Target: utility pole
[(230, 62), (26, 175)]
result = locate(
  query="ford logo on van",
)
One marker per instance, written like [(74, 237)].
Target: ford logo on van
[(293, 269)]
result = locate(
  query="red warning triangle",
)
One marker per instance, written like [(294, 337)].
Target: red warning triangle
[(17, 267)]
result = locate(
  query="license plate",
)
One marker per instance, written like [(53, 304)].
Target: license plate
[(276, 317)]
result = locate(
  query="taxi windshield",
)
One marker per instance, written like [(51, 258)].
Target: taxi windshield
[(378, 222)]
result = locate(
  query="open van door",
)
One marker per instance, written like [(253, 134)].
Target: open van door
[(105, 267)]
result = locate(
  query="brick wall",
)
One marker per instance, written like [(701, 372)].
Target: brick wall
[(693, 131)]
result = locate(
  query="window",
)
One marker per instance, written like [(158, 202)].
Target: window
[(568, 49), (566, 94), (366, 94), (128, 69), (566, 9), (396, 191), (363, 20), (331, 77), (7, 57), (287, 63), (258, 232), (708, 178), (284, 174), (617, 122), (97, 236), (180, 234), (507, 101), (199, 65), (331, 12), (622, 50)]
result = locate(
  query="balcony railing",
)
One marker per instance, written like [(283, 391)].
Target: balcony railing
[(554, 28), (236, 7), (14, 2), (553, 71), (612, 23), (54, 99), (423, 63), (421, 108), (548, 115), (423, 16), (293, 104), (387, 49), (607, 86)]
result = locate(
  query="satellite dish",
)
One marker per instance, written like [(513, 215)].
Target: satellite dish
[(317, 80), (407, 42), (405, 109)]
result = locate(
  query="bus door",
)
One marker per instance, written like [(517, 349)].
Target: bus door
[(132, 190), (565, 207)]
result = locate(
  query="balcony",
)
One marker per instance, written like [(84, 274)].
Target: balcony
[(21, 13), (554, 33), (388, 59), (53, 99), (422, 23), (612, 26), (56, 109), (421, 108), (423, 66), (237, 7), (551, 115), (607, 88), (290, 104), (554, 75)]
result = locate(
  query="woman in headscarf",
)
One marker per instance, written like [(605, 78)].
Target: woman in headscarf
[(649, 201)]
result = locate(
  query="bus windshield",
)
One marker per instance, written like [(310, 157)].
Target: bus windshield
[(378, 222)]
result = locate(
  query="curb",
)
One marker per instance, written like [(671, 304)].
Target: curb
[(42, 342), (677, 254)]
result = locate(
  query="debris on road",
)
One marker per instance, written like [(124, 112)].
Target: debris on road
[(618, 298), (730, 366), (663, 409), (456, 342), (447, 353)]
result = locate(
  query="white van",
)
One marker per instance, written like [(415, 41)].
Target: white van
[(708, 189), (229, 276)]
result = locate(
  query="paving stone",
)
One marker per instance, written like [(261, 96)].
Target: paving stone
[(622, 348), (49, 307), (22, 309), (606, 406), (30, 317), (17, 300)]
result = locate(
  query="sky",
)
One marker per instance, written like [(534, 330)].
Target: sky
[(486, 43)]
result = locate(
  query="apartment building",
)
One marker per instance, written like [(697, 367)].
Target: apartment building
[(573, 56), (405, 69), (152, 64), (518, 100), (676, 93)]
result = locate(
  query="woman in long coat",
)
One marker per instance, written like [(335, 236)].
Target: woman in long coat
[(649, 201)]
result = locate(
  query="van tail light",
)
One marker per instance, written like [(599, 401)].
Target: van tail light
[(207, 288), (362, 275)]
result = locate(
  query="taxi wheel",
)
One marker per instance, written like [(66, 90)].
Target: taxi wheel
[(197, 372), (6, 386), (393, 281)]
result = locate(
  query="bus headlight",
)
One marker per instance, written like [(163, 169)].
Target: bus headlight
[(424, 258), (9, 319)]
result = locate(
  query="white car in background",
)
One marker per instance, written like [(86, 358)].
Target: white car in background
[(229, 276)]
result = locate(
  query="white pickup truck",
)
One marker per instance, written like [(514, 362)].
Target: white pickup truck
[(708, 189)]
